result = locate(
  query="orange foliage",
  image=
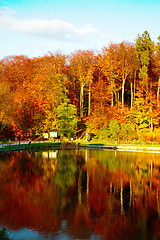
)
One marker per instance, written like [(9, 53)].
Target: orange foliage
[(103, 87)]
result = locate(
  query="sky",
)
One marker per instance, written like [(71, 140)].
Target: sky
[(36, 27)]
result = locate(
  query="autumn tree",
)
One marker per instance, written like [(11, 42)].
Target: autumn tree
[(118, 64), (7, 108), (30, 118), (80, 70), (49, 84), (18, 71), (17, 77), (108, 71)]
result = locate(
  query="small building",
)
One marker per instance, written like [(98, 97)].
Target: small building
[(46, 135), (53, 134), (50, 134)]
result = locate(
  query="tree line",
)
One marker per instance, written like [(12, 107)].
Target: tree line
[(112, 94)]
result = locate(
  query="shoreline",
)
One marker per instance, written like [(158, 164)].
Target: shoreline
[(72, 145), (123, 148)]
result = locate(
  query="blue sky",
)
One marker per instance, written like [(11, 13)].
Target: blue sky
[(36, 27)]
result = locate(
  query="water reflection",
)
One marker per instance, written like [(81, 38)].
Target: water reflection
[(80, 194)]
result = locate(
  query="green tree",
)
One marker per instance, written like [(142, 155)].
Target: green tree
[(65, 171), (144, 49), (157, 69), (67, 120), (140, 114)]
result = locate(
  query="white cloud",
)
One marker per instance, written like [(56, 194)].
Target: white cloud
[(52, 29)]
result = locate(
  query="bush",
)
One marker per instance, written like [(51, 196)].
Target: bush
[(104, 134), (116, 131), (3, 234), (127, 132)]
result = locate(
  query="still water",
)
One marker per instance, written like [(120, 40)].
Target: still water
[(80, 194)]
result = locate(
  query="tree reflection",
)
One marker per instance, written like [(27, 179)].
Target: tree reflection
[(65, 171), (83, 189)]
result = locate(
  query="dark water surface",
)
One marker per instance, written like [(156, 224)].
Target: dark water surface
[(80, 194)]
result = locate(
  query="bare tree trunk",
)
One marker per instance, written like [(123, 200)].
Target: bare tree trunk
[(151, 125), (134, 87), (112, 99), (89, 100), (123, 83), (131, 94), (118, 99), (151, 120), (81, 99), (158, 88)]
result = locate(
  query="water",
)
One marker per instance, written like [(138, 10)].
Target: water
[(80, 194)]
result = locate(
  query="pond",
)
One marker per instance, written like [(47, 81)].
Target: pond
[(80, 194)]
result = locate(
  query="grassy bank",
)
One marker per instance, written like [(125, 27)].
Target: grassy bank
[(82, 143), (118, 143), (34, 146)]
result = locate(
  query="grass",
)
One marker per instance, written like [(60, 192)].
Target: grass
[(98, 143), (40, 145)]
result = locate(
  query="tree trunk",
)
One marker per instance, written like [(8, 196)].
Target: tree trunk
[(158, 92), (131, 94), (112, 99), (134, 87), (89, 100), (116, 98), (151, 121), (81, 99), (123, 83), (151, 125)]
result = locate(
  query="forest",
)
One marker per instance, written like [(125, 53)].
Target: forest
[(111, 95)]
